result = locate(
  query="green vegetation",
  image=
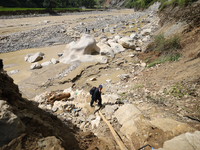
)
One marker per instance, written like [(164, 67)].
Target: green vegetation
[(35, 9), (141, 4), (121, 94), (138, 4), (137, 86), (156, 100), (178, 90), (165, 3), (166, 48), (49, 4), (162, 44), (171, 57)]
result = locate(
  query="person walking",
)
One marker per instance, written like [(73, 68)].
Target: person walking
[(97, 96)]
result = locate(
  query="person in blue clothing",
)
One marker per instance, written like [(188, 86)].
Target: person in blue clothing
[(97, 96)]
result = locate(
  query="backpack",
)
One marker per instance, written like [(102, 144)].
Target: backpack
[(92, 90)]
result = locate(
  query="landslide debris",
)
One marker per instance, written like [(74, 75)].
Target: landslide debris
[(25, 126)]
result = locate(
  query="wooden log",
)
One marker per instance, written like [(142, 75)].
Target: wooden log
[(117, 138)]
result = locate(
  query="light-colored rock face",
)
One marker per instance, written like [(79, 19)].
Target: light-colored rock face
[(187, 141), (178, 143), (128, 115), (35, 66), (116, 47), (83, 96), (10, 124), (93, 58), (194, 139), (76, 50), (110, 99), (108, 111), (27, 57), (166, 124), (127, 42), (34, 58), (105, 49)]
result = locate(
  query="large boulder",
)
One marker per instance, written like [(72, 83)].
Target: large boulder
[(127, 42), (187, 141), (116, 46), (167, 124), (129, 116), (34, 58), (110, 99), (27, 57), (35, 65), (76, 50), (105, 49), (145, 32), (83, 96), (10, 125), (109, 111)]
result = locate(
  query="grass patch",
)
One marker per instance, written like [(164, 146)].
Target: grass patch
[(170, 58), (162, 44), (179, 90), (165, 49), (20, 9), (138, 86)]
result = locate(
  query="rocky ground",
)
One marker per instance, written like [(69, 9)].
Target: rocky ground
[(158, 106), (61, 33)]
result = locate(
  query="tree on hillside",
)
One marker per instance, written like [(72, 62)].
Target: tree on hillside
[(49, 4)]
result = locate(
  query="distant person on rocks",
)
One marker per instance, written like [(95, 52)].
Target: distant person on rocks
[(96, 95)]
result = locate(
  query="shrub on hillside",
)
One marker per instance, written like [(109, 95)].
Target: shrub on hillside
[(167, 48)]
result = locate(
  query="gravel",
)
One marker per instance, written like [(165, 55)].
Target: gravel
[(47, 36)]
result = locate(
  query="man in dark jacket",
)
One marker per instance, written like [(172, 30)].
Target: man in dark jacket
[(96, 96)]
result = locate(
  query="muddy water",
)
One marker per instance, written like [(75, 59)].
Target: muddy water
[(15, 60), (33, 78)]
